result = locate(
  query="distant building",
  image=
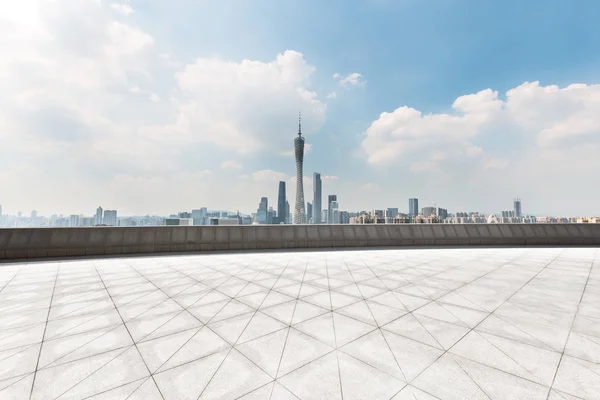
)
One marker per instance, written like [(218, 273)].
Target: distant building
[(442, 213), (344, 217), (110, 217), (271, 216), (184, 214), (262, 213), (199, 216), (179, 221), (517, 207), (427, 211), (99, 216), (391, 212), (74, 220), (317, 198), (87, 221), (281, 204), (224, 221), (413, 207), (330, 199), (334, 212), (299, 210), (309, 213)]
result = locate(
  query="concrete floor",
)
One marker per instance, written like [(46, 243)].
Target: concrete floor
[(461, 324)]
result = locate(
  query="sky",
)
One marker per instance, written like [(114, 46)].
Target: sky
[(156, 107)]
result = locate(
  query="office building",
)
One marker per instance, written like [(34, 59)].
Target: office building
[(99, 216), (281, 208), (262, 213), (199, 216), (334, 212), (413, 207), (330, 199), (309, 213), (427, 211), (299, 212), (391, 212), (317, 198), (74, 220), (271, 216), (288, 212), (179, 221), (517, 208), (442, 213), (87, 221), (110, 218)]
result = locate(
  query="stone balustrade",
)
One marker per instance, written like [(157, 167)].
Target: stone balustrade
[(23, 243)]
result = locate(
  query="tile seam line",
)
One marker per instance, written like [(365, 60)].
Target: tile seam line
[(44, 334), (571, 327), (127, 329), (235, 343), (288, 334), (475, 327)]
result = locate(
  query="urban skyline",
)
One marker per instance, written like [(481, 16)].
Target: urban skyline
[(304, 212)]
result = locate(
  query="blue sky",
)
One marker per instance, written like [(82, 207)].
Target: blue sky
[(420, 54)]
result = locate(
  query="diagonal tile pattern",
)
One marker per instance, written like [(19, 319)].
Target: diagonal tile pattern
[(510, 323)]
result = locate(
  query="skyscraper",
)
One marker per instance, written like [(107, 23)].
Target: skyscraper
[(281, 209), (317, 206), (334, 212), (263, 210), (413, 207), (330, 199), (517, 204), (99, 216), (309, 212), (110, 218), (299, 211)]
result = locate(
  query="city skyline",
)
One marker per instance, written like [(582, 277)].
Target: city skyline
[(141, 112)]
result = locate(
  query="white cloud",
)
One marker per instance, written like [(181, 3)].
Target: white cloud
[(229, 164), (352, 79), (124, 9), (551, 115), (331, 95), (246, 106)]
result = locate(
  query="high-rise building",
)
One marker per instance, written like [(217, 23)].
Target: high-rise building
[(199, 217), (317, 197), (99, 216), (281, 209), (330, 199), (288, 212), (334, 212), (391, 212), (413, 207), (309, 212), (299, 211), (517, 206), (110, 218), (427, 211), (74, 220), (262, 213), (271, 216)]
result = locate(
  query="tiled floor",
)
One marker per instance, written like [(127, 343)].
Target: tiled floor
[(379, 324)]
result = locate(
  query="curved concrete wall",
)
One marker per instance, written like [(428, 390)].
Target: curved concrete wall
[(62, 242)]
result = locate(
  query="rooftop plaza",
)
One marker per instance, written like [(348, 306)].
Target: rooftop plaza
[(438, 323)]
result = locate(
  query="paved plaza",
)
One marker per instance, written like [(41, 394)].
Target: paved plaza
[(504, 323)]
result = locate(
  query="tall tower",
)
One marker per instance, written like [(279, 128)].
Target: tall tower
[(317, 198), (281, 209), (299, 210), (517, 207)]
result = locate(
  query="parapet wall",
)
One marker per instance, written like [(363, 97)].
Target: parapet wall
[(22, 243)]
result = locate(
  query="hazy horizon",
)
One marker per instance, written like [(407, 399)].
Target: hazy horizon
[(156, 107)]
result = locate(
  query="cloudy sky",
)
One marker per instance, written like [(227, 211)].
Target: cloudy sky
[(157, 106)]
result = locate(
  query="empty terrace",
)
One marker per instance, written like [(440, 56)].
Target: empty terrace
[(469, 323)]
